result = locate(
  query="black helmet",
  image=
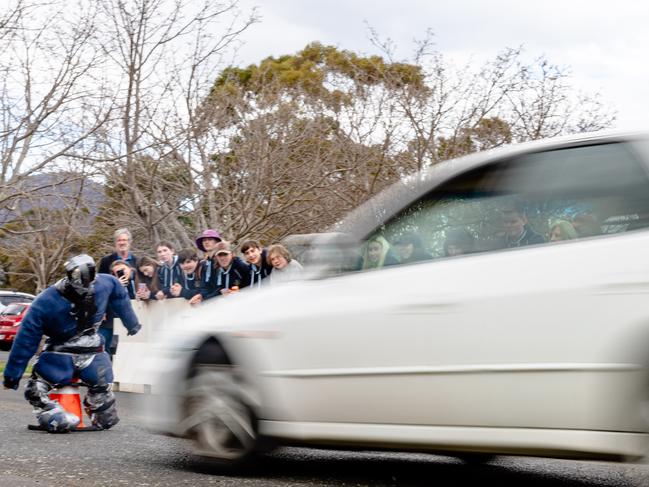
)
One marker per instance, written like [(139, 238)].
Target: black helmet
[(80, 270)]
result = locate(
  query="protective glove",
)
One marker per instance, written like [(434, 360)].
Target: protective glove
[(10, 383), (134, 330)]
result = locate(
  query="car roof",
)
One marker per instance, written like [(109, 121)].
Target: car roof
[(386, 203), (9, 292), (19, 303)]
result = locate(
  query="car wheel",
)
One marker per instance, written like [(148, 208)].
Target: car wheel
[(218, 417)]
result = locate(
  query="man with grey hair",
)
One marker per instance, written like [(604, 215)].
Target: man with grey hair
[(123, 252), (123, 240)]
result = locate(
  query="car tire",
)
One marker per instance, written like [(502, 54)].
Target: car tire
[(218, 416)]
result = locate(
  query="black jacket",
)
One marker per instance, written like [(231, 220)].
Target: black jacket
[(107, 260), (237, 274), (168, 276), (529, 237), (256, 274)]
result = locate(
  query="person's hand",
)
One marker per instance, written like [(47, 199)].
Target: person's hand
[(9, 383), (160, 295), (176, 290), (196, 299), (143, 294), (134, 330), (124, 280)]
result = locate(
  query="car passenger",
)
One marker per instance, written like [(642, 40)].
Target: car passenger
[(458, 241), (376, 253), (586, 225), (518, 233), (409, 248), (562, 230)]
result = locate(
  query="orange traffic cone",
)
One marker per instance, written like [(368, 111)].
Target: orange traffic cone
[(70, 400)]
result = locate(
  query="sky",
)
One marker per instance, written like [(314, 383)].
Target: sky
[(604, 45)]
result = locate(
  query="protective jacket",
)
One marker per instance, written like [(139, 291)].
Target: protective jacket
[(50, 315)]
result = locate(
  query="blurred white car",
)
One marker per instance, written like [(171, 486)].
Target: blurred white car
[(489, 338)]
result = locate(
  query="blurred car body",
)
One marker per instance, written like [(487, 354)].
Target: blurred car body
[(538, 349), (10, 318)]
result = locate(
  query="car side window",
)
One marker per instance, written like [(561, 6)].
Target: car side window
[(537, 198)]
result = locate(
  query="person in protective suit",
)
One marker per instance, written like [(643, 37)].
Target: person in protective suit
[(69, 314)]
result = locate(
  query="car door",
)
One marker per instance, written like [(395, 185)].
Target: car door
[(526, 335)]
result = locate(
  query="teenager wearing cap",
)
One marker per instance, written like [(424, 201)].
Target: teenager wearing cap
[(230, 274)]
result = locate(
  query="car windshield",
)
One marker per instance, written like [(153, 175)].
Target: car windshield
[(14, 309), (15, 299)]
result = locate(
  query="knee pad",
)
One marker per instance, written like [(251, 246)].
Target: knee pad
[(55, 419), (36, 392), (100, 408)]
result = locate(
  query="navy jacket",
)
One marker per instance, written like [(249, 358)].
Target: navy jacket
[(237, 274), (256, 274), (207, 273), (191, 284), (49, 315), (528, 237), (168, 276), (107, 260)]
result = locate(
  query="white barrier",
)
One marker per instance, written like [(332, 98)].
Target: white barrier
[(154, 316)]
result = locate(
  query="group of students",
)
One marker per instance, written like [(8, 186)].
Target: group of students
[(185, 274)]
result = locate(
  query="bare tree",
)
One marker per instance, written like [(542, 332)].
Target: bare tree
[(505, 100), (48, 103), (165, 54), (9, 18), (54, 219)]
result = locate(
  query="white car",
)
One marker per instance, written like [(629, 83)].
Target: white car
[(491, 338)]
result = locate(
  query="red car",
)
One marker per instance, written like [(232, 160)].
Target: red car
[(10, 319)]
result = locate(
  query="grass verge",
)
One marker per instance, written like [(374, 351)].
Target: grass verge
[(27, 373)]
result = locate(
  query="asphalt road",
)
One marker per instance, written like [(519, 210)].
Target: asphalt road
[(128, 455)]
